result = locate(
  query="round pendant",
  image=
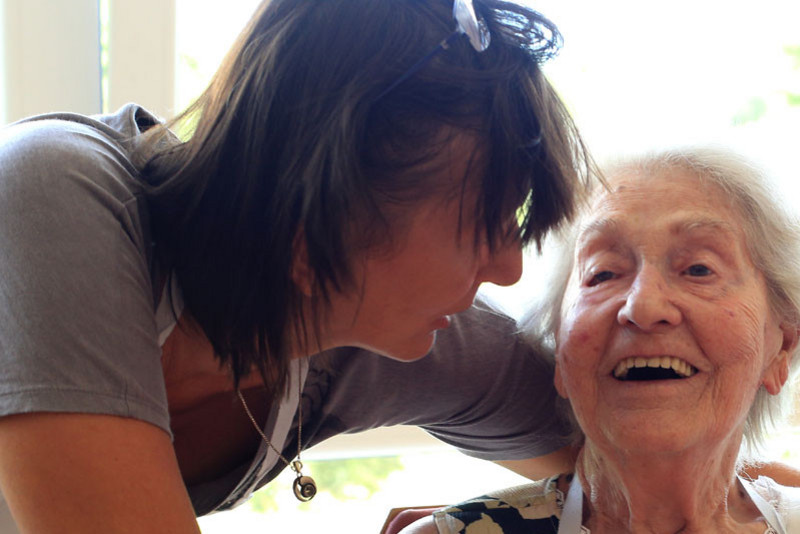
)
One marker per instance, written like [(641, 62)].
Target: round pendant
[(304, 488)]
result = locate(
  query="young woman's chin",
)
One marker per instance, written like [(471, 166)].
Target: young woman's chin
[(412, 348)]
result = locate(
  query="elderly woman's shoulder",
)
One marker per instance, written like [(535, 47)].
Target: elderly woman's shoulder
[(534, 507), (784, 499)]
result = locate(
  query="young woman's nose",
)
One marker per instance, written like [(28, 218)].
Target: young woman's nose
[(502, 265), (648, 303)]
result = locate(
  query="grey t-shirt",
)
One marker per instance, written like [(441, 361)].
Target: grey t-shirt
[(78, 329)]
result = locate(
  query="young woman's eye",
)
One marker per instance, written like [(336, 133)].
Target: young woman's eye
[(698, 270), (600, 277)]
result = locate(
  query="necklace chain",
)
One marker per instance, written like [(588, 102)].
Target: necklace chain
[(264, 436), (304, 486)]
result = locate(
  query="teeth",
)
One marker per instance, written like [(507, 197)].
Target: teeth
[(665, 362)]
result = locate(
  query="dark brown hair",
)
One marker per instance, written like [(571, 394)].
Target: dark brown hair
[(295, 137)]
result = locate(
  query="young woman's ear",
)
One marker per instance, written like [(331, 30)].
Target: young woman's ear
[(301, 272)]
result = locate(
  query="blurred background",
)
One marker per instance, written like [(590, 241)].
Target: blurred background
[(634, 74)]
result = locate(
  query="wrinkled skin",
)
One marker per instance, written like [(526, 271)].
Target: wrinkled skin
[(662, 269)]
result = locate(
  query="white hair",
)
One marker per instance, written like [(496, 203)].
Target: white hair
[(772, 237)]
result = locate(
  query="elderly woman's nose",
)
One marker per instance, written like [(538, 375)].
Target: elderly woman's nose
[(648, 303)]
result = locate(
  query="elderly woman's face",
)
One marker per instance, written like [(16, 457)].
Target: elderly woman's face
[(666, 330)]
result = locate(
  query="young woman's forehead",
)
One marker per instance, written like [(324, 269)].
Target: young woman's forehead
[(457, 169)]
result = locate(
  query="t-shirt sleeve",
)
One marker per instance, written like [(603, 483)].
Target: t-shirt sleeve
[(482, 389), (77, 328)]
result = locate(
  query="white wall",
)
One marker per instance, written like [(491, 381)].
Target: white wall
[(141, 65), (2, 65), (50, 57)]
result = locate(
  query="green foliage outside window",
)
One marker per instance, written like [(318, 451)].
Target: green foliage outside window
[(354, 478), (794, 53), (793, 97), (755, 108)]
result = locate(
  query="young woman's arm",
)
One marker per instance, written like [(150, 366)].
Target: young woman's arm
[(563, 461), (560, 461), (78, 473), (783, 474), (424, 525)]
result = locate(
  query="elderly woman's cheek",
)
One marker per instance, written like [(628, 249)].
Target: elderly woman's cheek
[(581, 328), (579, 354), (741, 333)]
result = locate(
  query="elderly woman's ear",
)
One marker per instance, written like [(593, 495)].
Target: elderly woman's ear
[(777, 372)]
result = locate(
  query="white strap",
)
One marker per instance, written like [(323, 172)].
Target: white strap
[(572, 514), (769, 513), (276, 427)]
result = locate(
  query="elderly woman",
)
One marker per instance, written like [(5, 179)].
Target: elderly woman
[(675, 320)]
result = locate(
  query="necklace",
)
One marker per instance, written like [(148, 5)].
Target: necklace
[(304, 486)]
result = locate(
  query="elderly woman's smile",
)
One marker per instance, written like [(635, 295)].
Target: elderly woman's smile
[(645, 368)]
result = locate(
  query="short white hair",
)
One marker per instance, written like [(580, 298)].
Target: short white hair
[(772, 235)]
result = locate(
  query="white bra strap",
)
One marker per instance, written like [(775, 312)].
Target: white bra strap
[(572, 514), (768, 512)]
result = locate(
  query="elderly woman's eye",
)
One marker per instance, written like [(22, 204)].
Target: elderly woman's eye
[(600, 277), (698, 270)]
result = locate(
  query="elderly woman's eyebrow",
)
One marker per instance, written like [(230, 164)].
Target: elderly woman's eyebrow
[(704, 226), (603, 229), (599, 228)]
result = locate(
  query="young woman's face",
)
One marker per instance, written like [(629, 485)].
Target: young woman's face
[(432, 270), (663, 282)]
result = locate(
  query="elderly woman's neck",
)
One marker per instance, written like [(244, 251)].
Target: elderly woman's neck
[(683, 492)]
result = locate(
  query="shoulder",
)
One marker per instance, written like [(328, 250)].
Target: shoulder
[(60, 151), (481, 388), (76, 297), (67, 175), (785, 500), (476, 340), (533, 507), (488, 333), (484, 317)]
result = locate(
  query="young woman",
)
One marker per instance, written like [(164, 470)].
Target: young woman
[(356, 170)]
